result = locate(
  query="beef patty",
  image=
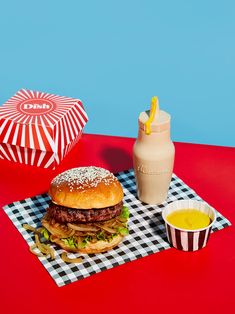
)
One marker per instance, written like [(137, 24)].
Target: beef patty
[(64, 214)]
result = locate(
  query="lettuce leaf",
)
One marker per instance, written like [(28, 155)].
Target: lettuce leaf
[(85, 241), (45, 233), (113, 235), (125, 213), (70, 242), (100, 236), (123, 231)]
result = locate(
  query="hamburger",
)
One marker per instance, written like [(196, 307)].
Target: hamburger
[(86, 212)]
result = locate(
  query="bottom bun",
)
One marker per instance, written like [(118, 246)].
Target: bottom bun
[(92, 248)]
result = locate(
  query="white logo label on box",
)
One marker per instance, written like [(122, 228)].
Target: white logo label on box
[(36, 106)]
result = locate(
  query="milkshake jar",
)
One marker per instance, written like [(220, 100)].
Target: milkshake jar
[(153, 155)]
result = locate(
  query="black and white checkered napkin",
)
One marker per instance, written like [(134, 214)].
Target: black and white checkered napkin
[(147, 231)]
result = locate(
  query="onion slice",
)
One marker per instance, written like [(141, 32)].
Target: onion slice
[(82, 228), (44, 248), (32, 247), (67, 259), (110, 230), (30, 228)]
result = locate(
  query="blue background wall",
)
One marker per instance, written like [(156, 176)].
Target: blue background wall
[(115, 55)]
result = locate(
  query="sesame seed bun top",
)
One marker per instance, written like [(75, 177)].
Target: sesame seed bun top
[(86, 188)]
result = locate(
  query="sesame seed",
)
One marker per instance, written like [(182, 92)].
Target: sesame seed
[(84, 177)]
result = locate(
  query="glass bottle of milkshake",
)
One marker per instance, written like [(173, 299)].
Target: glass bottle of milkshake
[(153, 155)]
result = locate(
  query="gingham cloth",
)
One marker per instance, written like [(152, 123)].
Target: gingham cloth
[(146, 230)]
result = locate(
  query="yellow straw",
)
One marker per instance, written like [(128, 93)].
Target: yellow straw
[(154, 105)]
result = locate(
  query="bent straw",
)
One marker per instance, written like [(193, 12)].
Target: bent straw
[(154, 105)]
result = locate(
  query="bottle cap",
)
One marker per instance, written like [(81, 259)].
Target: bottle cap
[(161, 121)]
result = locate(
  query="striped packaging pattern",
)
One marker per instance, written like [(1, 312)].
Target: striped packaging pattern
[(39, 129), (188, 240)]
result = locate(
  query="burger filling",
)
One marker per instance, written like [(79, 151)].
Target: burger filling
[(77, 235), (65, 214)]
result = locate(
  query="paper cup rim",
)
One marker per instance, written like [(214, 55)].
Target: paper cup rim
[(188, 230)]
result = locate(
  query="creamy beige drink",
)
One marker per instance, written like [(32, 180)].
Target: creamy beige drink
[(153, 155)]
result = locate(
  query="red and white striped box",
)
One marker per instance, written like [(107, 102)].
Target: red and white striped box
[(39, 129)]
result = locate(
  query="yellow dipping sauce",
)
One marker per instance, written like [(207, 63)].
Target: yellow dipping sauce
[(190, 219)]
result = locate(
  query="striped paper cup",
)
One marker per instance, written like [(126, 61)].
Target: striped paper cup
[(183, 239)]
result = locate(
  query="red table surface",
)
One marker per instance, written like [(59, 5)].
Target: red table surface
[(171, 280)]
